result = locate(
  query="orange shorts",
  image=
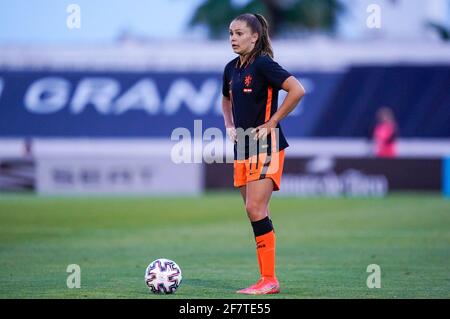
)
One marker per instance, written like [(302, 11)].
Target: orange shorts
[(259, 167)]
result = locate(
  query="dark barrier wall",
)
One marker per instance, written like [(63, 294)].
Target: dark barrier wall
[(17, 175), (302, 176), (344, 176), (94, 104)]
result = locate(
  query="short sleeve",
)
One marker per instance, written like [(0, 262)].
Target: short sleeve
[(225, 83), (272, 71)]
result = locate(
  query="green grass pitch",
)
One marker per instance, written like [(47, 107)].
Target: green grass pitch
[(323, 245)]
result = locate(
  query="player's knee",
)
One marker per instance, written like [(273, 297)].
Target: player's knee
[(254, 210)]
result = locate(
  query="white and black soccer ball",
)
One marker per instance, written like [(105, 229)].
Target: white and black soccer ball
[(163, 276)]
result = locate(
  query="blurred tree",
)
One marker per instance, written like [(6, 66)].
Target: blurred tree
[(282, 15), (442, 31), (314, 15)]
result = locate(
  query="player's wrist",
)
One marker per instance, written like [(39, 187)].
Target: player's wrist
[(274, 121)]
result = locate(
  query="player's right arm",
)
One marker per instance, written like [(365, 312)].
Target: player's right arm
[(227, 105), (227, 110)]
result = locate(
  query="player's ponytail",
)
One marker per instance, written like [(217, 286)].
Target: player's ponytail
[(263, 44), (258, 24)]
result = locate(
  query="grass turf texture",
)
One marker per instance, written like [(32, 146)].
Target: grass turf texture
[(323, 246)]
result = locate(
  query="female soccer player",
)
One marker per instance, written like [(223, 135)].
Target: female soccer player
[(251, 83)]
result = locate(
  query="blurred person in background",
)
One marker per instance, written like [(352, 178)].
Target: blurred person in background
[(27, 149), (251, 83), (385, 134)]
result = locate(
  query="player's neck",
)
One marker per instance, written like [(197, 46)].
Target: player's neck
[(244, 59)]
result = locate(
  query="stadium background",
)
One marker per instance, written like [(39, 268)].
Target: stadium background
[(86, 174)]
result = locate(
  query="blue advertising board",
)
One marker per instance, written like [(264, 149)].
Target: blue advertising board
[(131, 104), (446, 177)]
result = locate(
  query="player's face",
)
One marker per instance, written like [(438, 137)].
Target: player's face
[(241, 37)]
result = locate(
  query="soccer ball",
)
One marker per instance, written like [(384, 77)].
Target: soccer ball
[(163, 276)]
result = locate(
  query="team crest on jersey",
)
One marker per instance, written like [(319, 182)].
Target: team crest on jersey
[(248, 81)]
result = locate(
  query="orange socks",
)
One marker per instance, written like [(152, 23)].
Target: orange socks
[(265, 246), (265, 249)]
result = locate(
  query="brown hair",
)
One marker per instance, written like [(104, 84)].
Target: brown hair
[(258, 24)]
